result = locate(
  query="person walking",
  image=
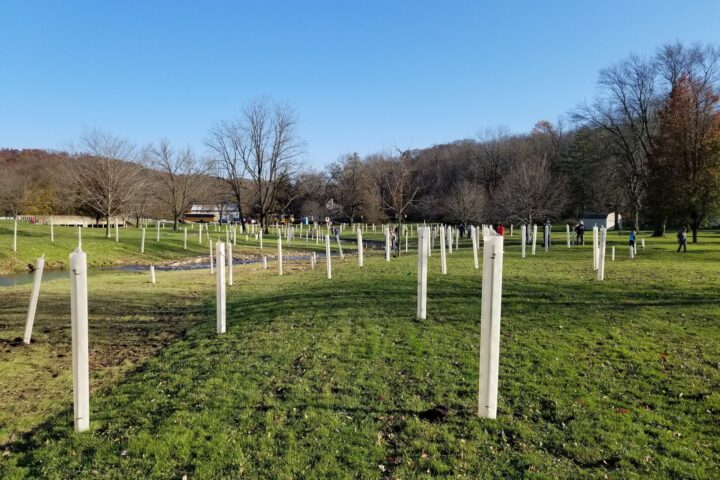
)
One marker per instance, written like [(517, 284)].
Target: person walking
[(633, 237), (682, 240), (500, 230), (580, 233)]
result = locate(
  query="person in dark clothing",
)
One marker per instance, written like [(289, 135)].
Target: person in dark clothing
[(462, 230), (682, 240), (580, 233)]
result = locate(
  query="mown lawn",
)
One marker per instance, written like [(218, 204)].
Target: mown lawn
[(34, 241), (336, 379)]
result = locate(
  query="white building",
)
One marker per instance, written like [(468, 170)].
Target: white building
[(606, 220)]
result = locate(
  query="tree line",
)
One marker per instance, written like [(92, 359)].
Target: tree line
[(646, 146)]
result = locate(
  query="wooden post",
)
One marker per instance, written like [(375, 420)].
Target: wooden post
[(229, 264), (360, 247), (280, 258), (220, 287), (490, 325), (152, 273), (423, 245), (37, 279), (443, 255), (328, 257), (474, 235), (523, 240), (79, 321)]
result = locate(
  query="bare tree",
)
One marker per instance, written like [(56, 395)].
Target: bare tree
[(529, 192), (226, 144), (465, 202), (626, 110), (179, 177), (263, 145), (400, 187), (14, 187), (348, 183), (109, 176)]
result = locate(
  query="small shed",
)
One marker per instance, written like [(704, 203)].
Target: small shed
[(606, 220)]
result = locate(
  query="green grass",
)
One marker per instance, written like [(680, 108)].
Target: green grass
[(336, 379), (34, 241)]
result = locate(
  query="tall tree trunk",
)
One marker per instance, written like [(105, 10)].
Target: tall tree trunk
[(660, 228), (695, 229), (617, 217)]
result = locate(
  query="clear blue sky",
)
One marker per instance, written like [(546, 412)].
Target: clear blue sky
[(363, 76)]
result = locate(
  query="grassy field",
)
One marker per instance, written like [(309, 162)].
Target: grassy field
[(320, 378), (34, 241)]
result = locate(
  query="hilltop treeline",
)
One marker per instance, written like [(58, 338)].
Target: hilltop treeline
[(647, 146)]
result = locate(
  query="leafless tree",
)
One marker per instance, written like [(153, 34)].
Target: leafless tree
[(179, 177), (529, 192), (626, 109), (465, 202), (108, 177), (14, 187), (263, 145), (400, 187), (350, 184)]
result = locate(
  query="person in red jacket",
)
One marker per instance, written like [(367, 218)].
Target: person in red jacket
[(500, 230)]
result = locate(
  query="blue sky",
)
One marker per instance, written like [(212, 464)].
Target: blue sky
[(363, 76)]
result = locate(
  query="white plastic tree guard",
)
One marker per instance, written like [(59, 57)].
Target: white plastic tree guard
[(328, 257), (595, 246), (448, 231), (443, 255), (117, 232), (337, 237), (185, 239), (52, 230), (220, 287), (490, 325), (264, 262), (601, 254), (79, 238), (423, 247), (79, 322), (534, 239), (474, 236), (212, 267), (200, 233), (229, 256), (152, 273), (280, 255), (567, 234), (157, 236), (612, 253), (387, 243), (142, 241), (361, 252), (37, 280), (523, 240)]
